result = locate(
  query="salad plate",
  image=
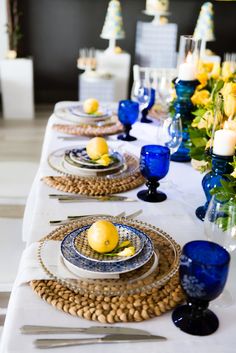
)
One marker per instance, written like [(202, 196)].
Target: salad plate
[(136, 238)]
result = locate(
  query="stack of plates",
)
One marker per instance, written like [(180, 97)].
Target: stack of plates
[(76, 114), (78, 256), (77, 161)]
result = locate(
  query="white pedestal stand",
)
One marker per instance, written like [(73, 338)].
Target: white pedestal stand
[(117, 65), (17, 88)]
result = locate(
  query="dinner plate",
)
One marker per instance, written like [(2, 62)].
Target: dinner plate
[(135, 236), (91, 169), (73, 258), (78, 110), (56, 161), (68, 113), (80, 158)]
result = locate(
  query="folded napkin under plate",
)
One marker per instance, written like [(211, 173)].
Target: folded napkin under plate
[(31, 269)]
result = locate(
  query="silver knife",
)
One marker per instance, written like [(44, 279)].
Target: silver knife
[(33, 330), (96, 198), (56, 343)]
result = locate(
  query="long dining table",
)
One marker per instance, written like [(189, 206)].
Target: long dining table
[(176, 216)]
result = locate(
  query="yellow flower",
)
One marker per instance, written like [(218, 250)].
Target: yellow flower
[(215, 73), (229, 88), (234, 173), (205, 67), (226, 70), (201, 97), (200, 166), (230, 105), (105, 160), (207, 120), (202, 78), (230, 125)]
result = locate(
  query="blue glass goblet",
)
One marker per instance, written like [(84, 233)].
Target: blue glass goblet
[(154, 165), (203, 273), (128, 113)]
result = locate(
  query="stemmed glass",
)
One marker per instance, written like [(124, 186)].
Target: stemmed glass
[(142, 93), (128, 112), (154, 165), (203, 273), (220, 227), (170, 133)]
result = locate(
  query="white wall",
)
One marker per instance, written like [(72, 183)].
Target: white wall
[(3, 34)]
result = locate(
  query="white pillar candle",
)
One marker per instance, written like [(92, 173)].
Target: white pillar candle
[(187, 70), (224, 142)]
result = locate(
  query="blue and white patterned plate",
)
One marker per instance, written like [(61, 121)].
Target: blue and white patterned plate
[(135, 236), (78, 110), (71, 256)]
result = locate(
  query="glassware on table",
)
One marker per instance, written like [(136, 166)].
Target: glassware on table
[(220, 227), (128, 112), (203, 273), (143, 94), (170, 133), (220, 220), (154, 165)]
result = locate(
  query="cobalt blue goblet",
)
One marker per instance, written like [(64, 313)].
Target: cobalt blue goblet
[(154, 165), (128, 113), (203, 273)]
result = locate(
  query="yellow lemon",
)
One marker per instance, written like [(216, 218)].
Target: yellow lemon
[(97, 147), (91, 106), (130, 251), (103, 236)]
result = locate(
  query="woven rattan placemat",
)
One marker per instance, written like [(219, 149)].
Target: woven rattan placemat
[(94, 186), (89, 130), (141, 305)]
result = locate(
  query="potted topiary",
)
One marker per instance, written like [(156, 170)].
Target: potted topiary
[(16, 73)]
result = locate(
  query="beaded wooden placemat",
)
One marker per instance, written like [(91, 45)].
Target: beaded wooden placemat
[(94, 186), (89, 130), (131, 307)]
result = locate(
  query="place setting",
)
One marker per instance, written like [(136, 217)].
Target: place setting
[(97, 169), (88, 118)]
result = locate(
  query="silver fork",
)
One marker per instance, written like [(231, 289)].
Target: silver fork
[(71, 218)]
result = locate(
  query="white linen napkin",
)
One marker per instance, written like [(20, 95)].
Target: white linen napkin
[(31, 269)]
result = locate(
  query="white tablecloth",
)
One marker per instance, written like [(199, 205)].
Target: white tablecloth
[(176, 216)]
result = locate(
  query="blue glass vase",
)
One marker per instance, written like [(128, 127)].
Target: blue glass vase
[(154, 165), (128, 112), (220, 167), (145, 111), (203, 273), (183, 109)]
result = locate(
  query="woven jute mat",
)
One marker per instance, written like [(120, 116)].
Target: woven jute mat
[(141, 305), (94, 186), (90, 130)]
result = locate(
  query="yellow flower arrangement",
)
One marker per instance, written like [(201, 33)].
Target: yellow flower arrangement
[(213, 79)]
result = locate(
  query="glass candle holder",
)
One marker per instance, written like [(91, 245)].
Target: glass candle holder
[(203, 273), (154, 165), (185, 86), (220, 167), (128, 113)]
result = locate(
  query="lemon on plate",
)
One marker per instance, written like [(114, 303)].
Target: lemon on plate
[(96, 148), (103, 236), (91, 106)]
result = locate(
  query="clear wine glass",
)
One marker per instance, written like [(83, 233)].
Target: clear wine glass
[(220, 227), (170, 133), (141, 92)]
